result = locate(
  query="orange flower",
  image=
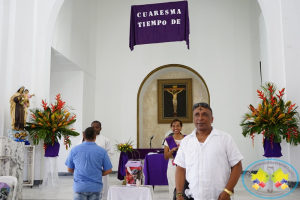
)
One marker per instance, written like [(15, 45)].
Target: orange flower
[(67, 115), (281, 116)]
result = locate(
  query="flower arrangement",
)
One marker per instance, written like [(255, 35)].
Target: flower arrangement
[(50, 124), (275, 118), (124, 147)]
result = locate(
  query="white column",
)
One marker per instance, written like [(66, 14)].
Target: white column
[(291, 37), (283, 47)]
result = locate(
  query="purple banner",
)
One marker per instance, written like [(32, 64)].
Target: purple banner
[(156, 23)]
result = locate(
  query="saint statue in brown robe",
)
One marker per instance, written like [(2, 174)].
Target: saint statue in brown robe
[(17, 110)]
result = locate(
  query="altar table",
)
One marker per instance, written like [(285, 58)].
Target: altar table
[(136, 154), (155, 169), (144, 192)]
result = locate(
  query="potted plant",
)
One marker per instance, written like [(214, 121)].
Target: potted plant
[(50, 125), (275, 118)]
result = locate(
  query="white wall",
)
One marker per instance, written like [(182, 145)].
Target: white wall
[(222, 52), (89, 85), (77, 88), (26, 29), (75, 33), (74, 39), (69, 85)]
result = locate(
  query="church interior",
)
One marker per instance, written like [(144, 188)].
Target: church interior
[(80, 50)]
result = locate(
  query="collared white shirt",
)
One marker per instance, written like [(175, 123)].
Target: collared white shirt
[(103, 142), (207, 167)]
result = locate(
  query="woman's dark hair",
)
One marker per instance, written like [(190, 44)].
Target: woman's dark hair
[(89, 133), (176, 120), (20, 89)]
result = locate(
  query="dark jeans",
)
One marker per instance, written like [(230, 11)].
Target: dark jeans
[(186, 186)]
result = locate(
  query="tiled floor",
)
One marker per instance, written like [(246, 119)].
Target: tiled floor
[(65, 192)]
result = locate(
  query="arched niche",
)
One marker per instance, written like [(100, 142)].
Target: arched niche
[(147, 104)]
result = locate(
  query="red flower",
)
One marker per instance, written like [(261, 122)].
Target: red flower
[(72, 119), (291, 107), (260, 94), (44, 104), (33, 116)]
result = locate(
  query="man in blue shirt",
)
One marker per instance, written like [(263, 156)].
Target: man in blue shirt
[(89, 163)]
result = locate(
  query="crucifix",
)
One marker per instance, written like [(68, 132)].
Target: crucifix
[(174, 91)]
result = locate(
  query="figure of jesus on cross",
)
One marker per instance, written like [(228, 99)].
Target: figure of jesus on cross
[(174, 91)]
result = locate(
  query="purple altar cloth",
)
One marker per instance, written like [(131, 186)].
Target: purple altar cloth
[(122, 162), (156, 23), (134, 155), (270, 152), (142, 153), (155, 170), (52, 151)]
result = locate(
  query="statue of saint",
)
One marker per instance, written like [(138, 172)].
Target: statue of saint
[(174, 91), (17, 110)]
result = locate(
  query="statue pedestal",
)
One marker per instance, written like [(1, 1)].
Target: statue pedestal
[(50, 167), (12, 161), (50, 178)]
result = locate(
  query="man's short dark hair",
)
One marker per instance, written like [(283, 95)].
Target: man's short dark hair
[(96, 122), (202, 104), (89, 133)]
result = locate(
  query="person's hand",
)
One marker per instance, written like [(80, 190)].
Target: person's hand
[(224, 196), (174, 149)]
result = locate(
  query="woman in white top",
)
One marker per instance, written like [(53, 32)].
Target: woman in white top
[(171, 146)]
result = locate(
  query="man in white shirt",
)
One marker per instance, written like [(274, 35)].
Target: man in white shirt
[(205, 158), (103, 142)]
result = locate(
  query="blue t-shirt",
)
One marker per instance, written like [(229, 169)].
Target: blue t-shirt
[(88, 160)]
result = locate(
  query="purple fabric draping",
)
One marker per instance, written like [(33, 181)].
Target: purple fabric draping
[(171, 143), (270, 152), (155, 170), (122, 162), (52, 151), (156, 23)]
